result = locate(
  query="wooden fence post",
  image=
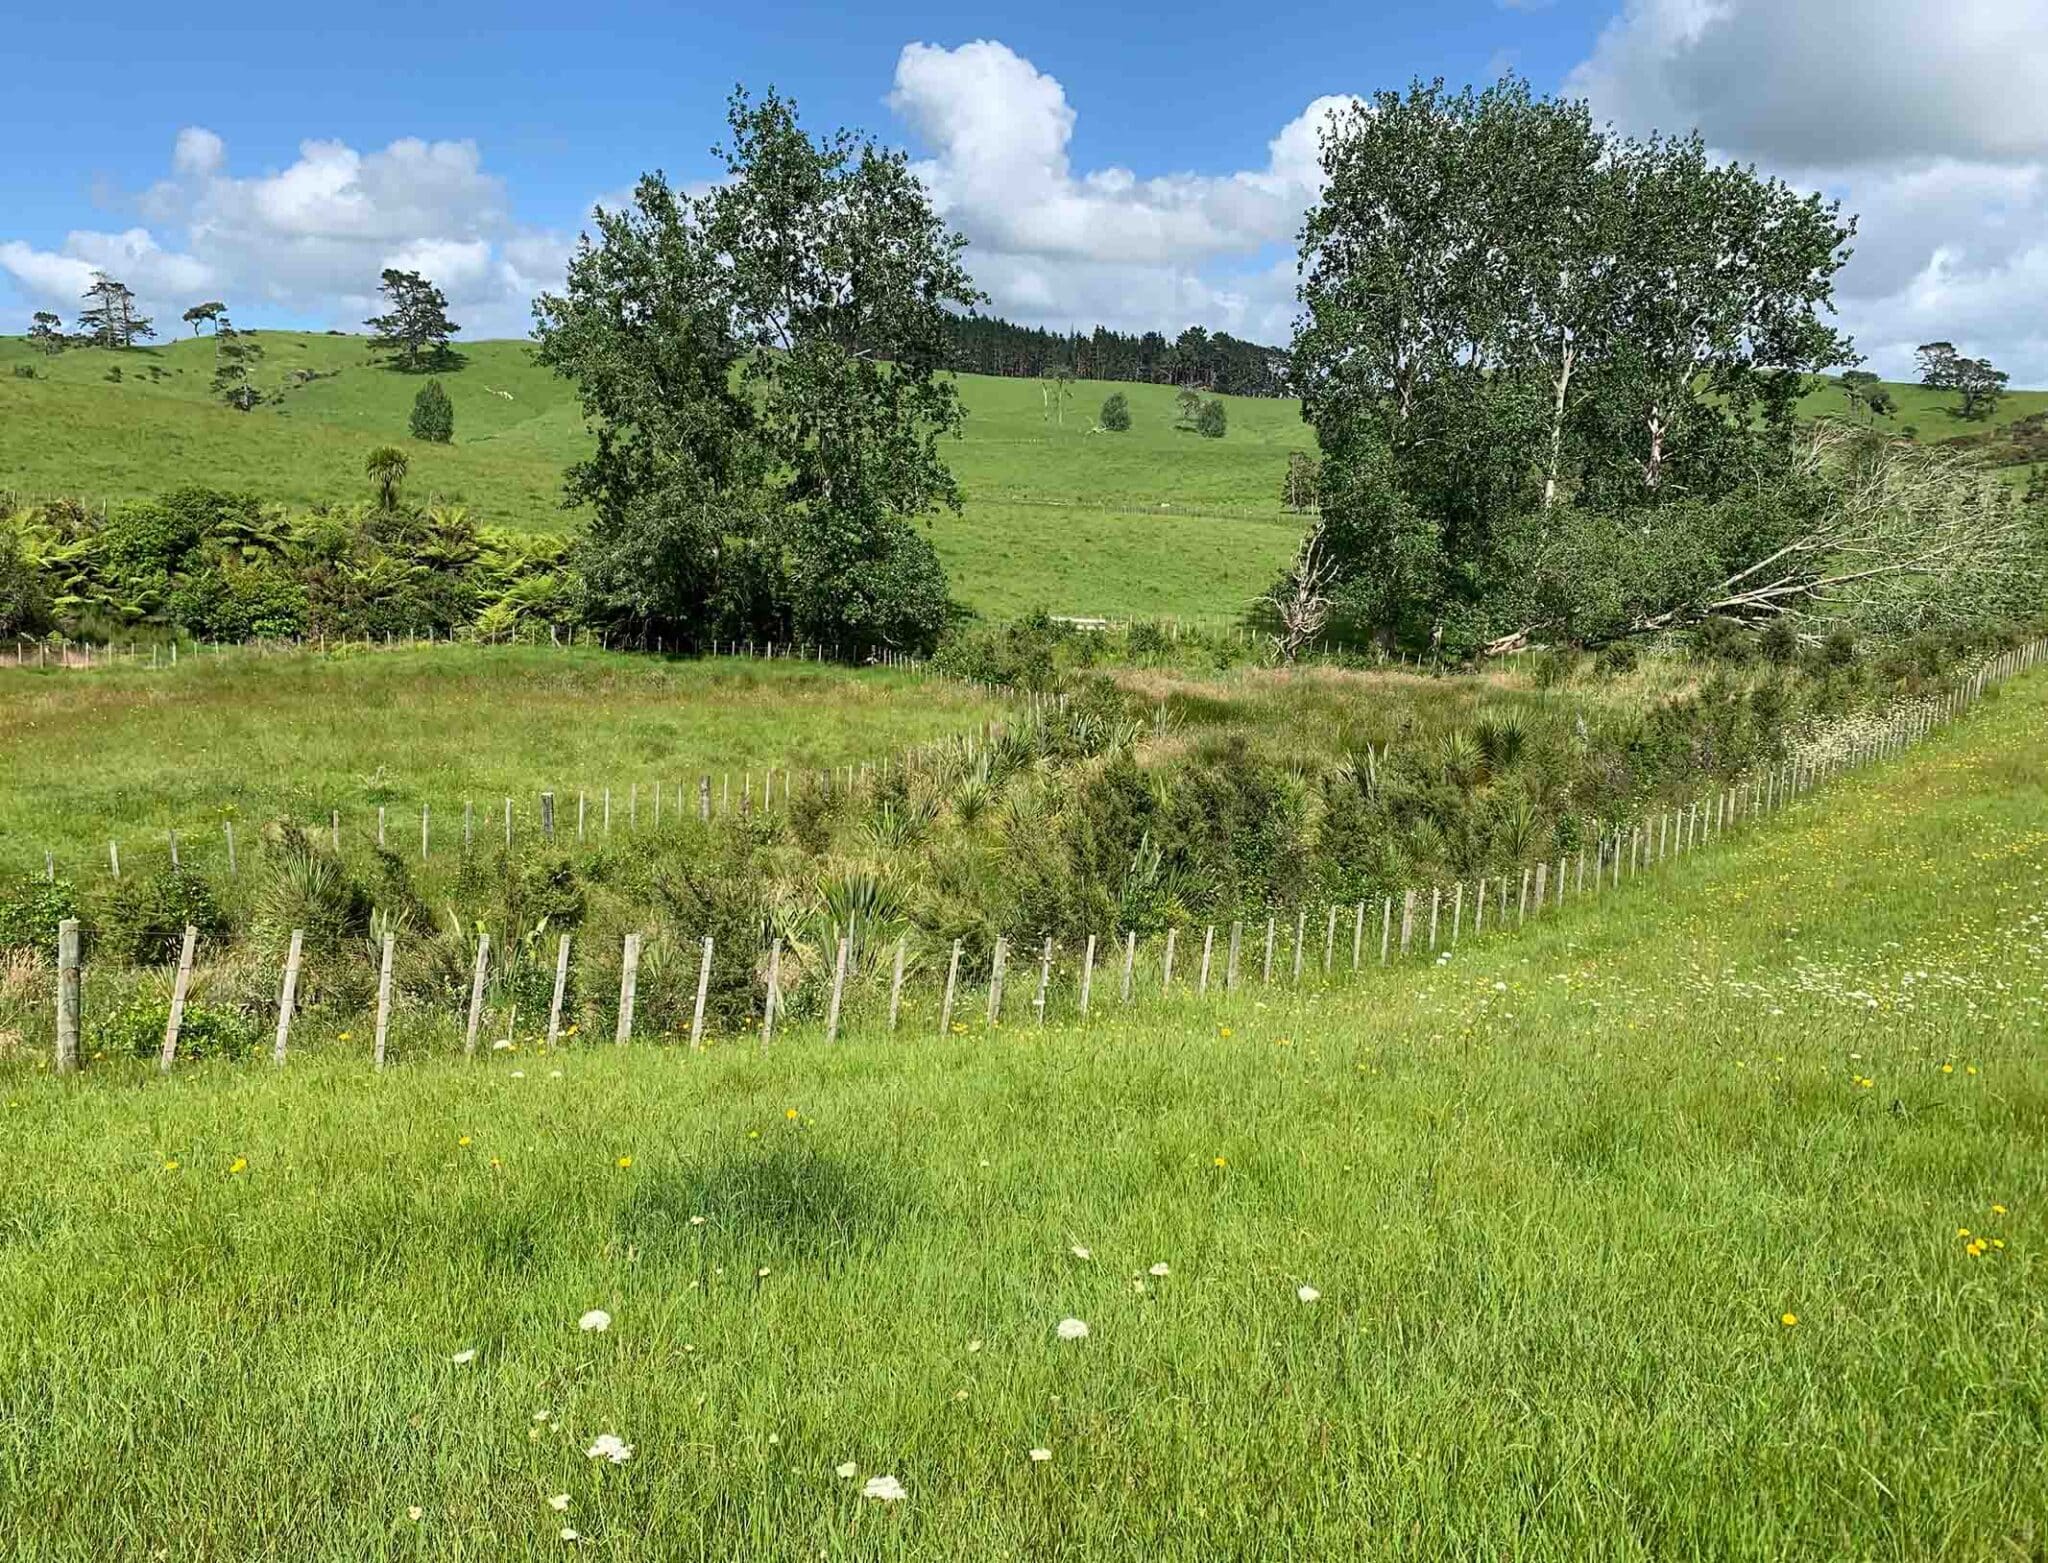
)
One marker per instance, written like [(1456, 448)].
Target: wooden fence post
[(952, 978), (380, 827), (1386, 925), (771, 1000), (1330, 939), (476, 994), (1130, 962), (289, 996), (1436, 900), (561, 991), (1357, 935), (114, 857), (67, 996), (838, 992), (1166, 967), (1087, 974), (1300, 931), (179, 988), (995, 980), (1044, 979), (1542, 885), (424, 838), (1266, 971), (547, 815), (383, 1002), (1457, 911), (1208, 950), (896, 984), (1230, 962), (229, 827)]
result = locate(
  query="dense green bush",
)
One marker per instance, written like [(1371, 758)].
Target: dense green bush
[(205, 1031), (1116, 413), (433, 415), (142, 919), (31, 908)]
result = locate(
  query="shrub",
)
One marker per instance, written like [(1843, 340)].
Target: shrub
[(1778, 644), (1116, 413), (1212, 422), (1838, 649), (1555, 667), (1722, 640), (433, 415), (1617, 658), (303, 887), (24, 599), (143, 921), (204, 1031), (30, 910)]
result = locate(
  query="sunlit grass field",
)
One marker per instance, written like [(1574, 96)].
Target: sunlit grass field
[(1154, 521), (1701, 1220), (131, 752)]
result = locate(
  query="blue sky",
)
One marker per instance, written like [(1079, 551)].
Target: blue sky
[(1134, 165)]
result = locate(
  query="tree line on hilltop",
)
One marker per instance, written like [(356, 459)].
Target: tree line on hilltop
[(1209, 361)]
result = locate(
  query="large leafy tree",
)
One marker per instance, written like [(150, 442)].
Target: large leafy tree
[(414, 331), (764, 368), (1509, 312), (1974, 380)]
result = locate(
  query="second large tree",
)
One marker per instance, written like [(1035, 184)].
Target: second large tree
[(763, 369)]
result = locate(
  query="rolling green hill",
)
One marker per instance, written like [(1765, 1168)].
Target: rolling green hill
[(1157, 520)]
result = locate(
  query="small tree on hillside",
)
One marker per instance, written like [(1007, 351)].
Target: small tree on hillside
[(1187, 406), (1116, 413), (109, 318), (386, 468), (1212, 422), (46, 331), (433, 414), (1298, 488), (235, 356), (414, 333), (208, 313), (1942, 368)]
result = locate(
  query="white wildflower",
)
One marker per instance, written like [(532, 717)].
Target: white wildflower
[(610, 1446), (1308, 1294), (1162, 1268), (559, 1503), (1073, 1329), (1040, 1456), (847, 1472), (596, 1319), (883, 1489), (1081, 1253), (467, 1354)]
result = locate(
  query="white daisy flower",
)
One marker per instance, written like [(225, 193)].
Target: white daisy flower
[(569, 1533), (559, 1503), (1162, 1268), (1308, 1294), (610, 1446), (846, 1472), (1073, 1329), (1040, 1456), (883, 1489), (596, 1319)]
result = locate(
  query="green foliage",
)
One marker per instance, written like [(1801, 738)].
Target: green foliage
[(1973, 380), (1617, 658), (386, 467), (142, 919), (302, 886), (1521, 332), (25, 608), (433, 415), (205, 1031), (414, 332), (31, 907), (1212, 422), (769, 408), (1116, 413)]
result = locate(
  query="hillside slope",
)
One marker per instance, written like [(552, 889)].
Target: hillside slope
[(1157, 520)]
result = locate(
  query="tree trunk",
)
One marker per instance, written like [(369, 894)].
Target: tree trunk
[(1564, 380)]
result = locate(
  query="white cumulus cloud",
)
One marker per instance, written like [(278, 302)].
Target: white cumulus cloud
[(1928, 118)]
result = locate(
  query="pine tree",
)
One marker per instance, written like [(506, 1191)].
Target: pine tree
[(109, 318), (47, 331), (415, 332), (433, 414), (235, 356)]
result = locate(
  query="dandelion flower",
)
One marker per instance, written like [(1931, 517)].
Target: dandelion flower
[(170, 1166), (1072, 1329), (1220, 1162), (1308, 1294), (625, 1161), (847, 1472), (559, 1503), (1996, 1210), (1788, 1320), (596, 1319), (463, 1140), (884, 1489), (609, 1446), (1040, 1456), (1081, 1253), (239, 1164), (344, 1036), (467, 1354), (1162, 1268), (791, 1115)]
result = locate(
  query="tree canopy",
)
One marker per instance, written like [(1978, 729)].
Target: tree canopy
[(413, 334), (1519, 327), (763, 369)]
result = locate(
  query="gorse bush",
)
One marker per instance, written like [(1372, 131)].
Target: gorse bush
[(30, 910)]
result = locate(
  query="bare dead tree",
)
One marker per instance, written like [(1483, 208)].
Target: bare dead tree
[(1301, 599)]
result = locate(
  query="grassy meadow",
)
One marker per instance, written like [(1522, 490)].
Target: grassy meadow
[(1155, 521), (1704, 1219), (131, 752)]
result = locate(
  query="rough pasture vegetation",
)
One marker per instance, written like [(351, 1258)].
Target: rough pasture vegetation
[(133, 752), (1154, 521), (1702, 1220)]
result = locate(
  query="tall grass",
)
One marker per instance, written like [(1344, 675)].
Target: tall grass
[(1700, 1221)]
